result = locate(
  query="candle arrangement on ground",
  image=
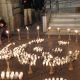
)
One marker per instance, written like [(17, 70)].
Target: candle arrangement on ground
[(61, 42), (37, 51), (6, 53), (55, 78), (11, 75)]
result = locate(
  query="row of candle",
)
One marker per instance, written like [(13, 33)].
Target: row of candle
[(11, 75), (68, 30), (53, 78), (38, 35), (57, 49), (61, 42), (38, 49)]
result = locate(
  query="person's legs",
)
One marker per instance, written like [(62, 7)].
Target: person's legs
[(25, 16), (30, 15)]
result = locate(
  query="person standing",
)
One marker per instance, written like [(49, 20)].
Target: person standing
[(3, 28), (38, 6), (28, 5)]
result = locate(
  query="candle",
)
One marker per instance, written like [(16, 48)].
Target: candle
[(49, 28), (38, 28), (57, 78), (12, 75), (2, 75), (58, 29), (7, 74), (20, 75), (61, 78), (7, 32), (38, 31), (16, 75), (69, 30), (27, 32), (70, 52), (19, 37), (76, 31), (53, 78)]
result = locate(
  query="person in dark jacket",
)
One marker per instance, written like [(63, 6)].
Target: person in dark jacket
[(3, 28), (28, 5), (38, 6)]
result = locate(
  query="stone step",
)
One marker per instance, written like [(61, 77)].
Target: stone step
[(64, 4), (66, 15), (64, 21), (63, 31)]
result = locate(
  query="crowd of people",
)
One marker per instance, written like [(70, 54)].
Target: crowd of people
[(29, 6)]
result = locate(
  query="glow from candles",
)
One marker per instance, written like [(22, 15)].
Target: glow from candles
[(18, 30), (55, 78), (58, 29), (27, 28), (76, 31), (68, 29), (11, 75), (49, 28), (7, 31), (38, 27), (60, 42)]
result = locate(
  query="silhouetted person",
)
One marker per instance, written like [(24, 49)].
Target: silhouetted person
[(38, 6), (3, 28)]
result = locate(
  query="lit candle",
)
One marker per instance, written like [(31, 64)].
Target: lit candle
[(61, 78), (7, 32), (49, 28), (38, 27), (12, 75), (76, 31), (27, 32), (2, 75), (70, 52), (20, 75), (7, 74), (38, 31), (53, 78), (19, 37), (58, 29), (57, 78), (69, 30), (16, 75)]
